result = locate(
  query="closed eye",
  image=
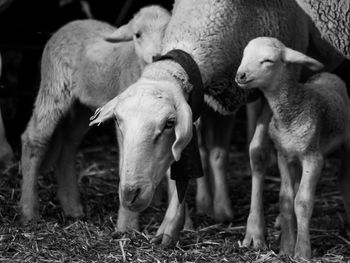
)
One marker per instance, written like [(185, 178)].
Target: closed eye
[(267, 61)]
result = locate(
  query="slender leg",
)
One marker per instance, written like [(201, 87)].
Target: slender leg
[(217, 131), (304, 202), (203, 194), (259, 151), (188, 225), (74, 127), (287, 215), (344, 180), (169, 230), (6, 153), (47, 114), (253, 110)]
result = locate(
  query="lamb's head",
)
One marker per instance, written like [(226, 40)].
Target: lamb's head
[(146, 29), (266, 60), (154, 125)]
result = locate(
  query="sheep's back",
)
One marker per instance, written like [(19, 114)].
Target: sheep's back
[(216, 32), (106, 70), (63, 52), (332, 19)]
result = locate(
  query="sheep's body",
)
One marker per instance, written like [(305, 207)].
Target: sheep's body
[(80, 71), (79, 64), (308, 121), (215, 33), (332, 19)]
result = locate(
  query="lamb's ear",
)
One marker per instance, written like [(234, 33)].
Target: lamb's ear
[(183, 127), (121, 34), (293, 56), (104, 113)]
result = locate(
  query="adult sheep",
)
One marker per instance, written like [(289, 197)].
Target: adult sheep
[(80, 72), (332, 19), (214, 33)]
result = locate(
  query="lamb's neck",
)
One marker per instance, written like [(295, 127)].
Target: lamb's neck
[(286, 101)]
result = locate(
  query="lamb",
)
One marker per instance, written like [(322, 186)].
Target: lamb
[(84, 64), (308, 121), (6, 152), (211, 33)]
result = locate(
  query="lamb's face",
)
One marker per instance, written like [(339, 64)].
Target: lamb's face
[(148, 31), (261, 63), (153, 126)]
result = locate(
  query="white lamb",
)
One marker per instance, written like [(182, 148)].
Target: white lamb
[(308, 121), (81, 71)]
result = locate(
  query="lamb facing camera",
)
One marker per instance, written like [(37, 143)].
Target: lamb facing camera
[(308, 121)]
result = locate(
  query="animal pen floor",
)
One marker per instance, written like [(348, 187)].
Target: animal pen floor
[(57, 239)]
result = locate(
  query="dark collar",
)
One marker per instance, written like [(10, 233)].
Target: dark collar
[(185, 60), (189, 166)]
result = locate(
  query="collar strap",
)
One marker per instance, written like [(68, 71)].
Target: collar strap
[(185, 60)]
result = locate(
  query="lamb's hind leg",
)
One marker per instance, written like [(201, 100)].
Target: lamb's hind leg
[(344, 179), (46, 116), (259, 151), (74, 127)]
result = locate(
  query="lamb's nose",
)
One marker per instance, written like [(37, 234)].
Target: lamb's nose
[(241, 77), (131, 194)]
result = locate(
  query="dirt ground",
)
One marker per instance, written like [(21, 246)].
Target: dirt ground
[(93, 239)]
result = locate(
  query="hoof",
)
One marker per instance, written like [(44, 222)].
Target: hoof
[(255, 241), (204, 206)]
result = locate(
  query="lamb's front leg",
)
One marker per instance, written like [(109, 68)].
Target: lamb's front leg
[(287, 215), (259, 152), (304, 202)]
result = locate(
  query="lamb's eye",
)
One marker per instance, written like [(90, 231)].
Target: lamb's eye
[(170, 123), (267, 61), (138, 35)]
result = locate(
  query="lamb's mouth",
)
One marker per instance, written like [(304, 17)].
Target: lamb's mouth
[(243, 84)]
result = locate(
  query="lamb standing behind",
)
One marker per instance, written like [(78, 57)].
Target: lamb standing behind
[(81, 71), (309, 120)]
